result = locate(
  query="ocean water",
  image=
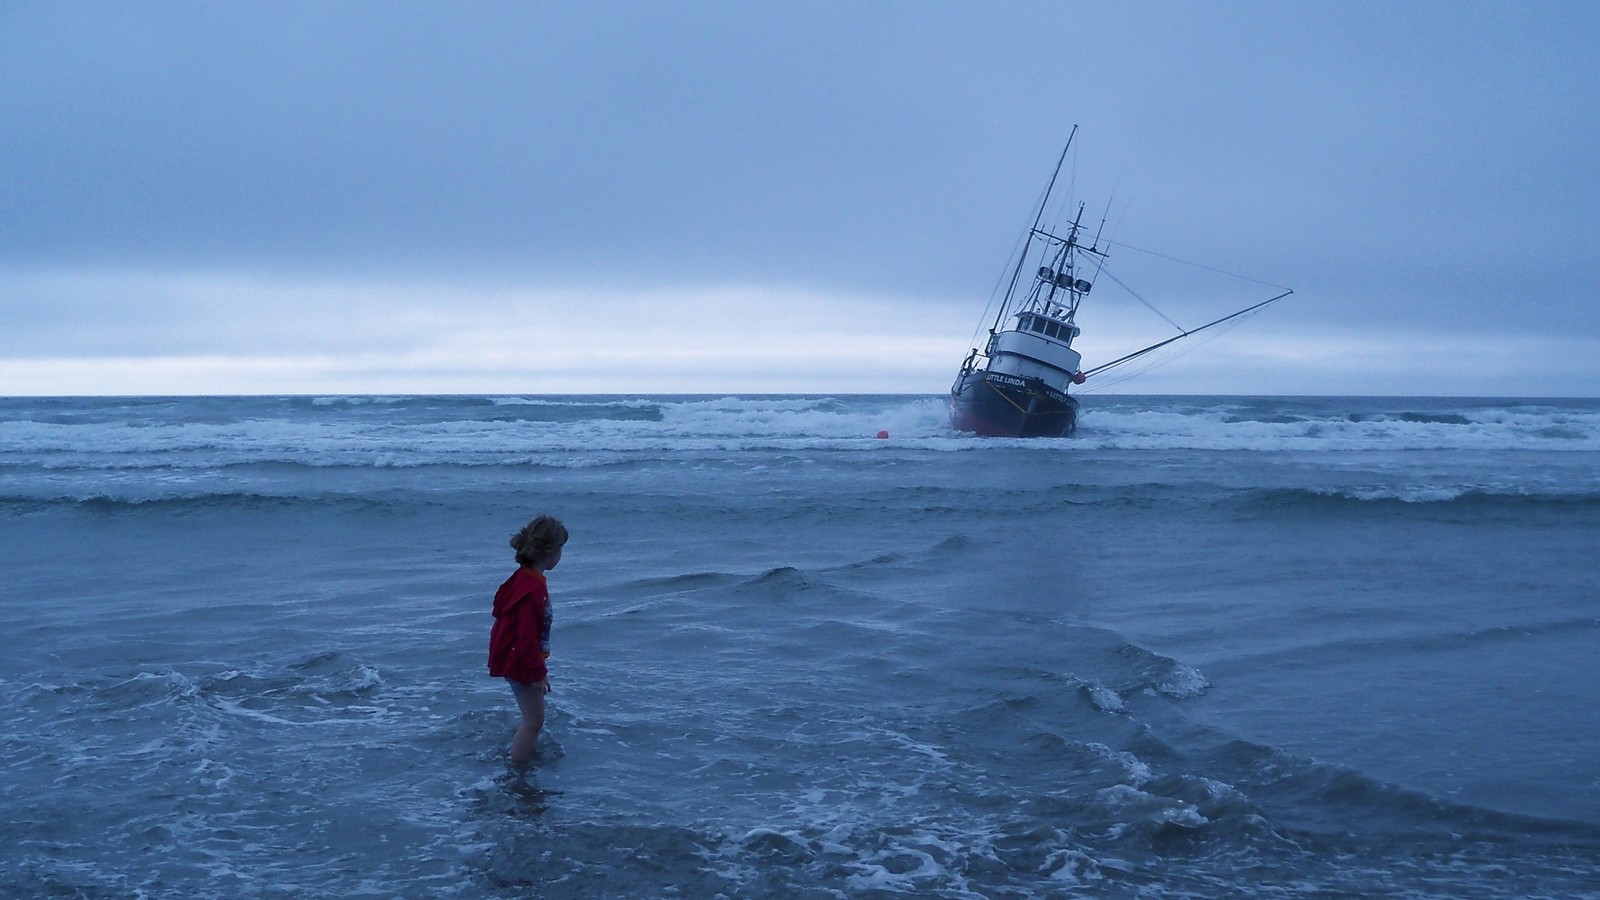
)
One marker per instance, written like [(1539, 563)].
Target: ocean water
[(1211, 646)]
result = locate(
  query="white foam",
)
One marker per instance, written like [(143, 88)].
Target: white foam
[(1135, 770), (1405, 493), (1222, 426), (1183, 682), (1103, 698), (362, 678), (1128, 800), (874, 871), (1072, 866), (340, 431)]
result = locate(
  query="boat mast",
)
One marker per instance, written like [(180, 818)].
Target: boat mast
[(1038, 219)]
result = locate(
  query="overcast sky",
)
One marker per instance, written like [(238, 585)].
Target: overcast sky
[(799, 196)]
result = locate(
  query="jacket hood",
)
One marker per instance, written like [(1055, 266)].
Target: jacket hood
[(521, 583)]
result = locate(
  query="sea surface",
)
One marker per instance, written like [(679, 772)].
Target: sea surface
[(1211, 646)]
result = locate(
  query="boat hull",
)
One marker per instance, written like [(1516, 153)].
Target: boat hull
[(996, 405)]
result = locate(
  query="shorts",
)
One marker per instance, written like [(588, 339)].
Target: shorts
[(519, 687)]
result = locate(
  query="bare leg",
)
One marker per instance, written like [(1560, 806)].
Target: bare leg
[(526, 741)]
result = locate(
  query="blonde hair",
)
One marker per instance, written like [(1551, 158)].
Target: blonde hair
[(538, 539)]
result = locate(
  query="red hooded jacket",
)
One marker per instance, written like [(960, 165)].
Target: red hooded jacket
[(520, 607)]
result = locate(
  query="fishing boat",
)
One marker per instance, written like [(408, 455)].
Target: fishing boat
[(1017, 384)]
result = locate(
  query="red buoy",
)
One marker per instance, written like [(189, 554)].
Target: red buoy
[(882, 435)]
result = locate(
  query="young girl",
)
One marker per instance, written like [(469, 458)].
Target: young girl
[(519, 643)]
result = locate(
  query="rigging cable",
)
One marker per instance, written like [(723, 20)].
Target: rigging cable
[(1159, 361), (995, 294), (1135, 294), (1196, 265)]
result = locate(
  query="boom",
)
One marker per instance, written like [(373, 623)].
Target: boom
[(1138, 353)]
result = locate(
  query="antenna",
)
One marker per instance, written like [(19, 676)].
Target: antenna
[(1103, 217)]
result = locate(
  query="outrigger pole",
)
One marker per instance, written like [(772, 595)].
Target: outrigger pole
[(1135, 355)]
